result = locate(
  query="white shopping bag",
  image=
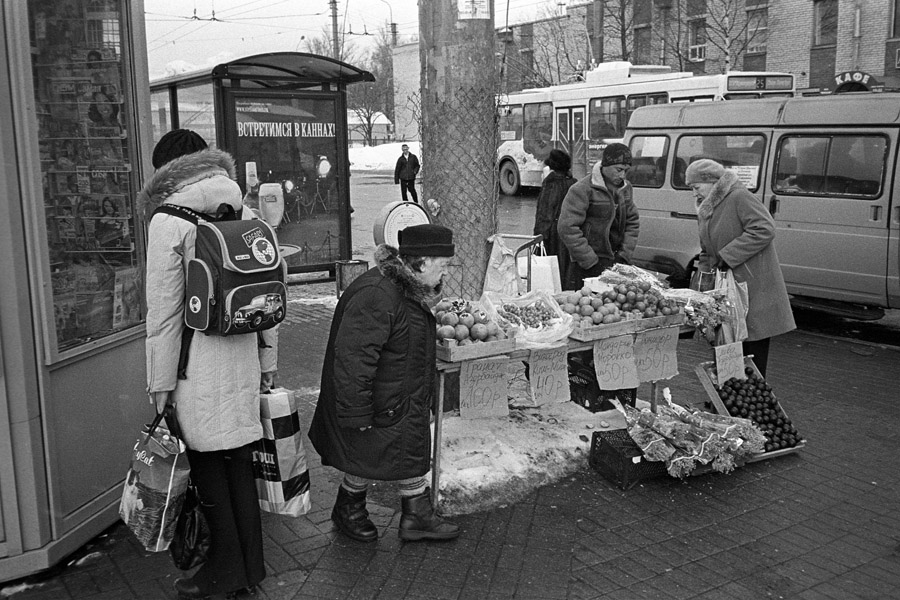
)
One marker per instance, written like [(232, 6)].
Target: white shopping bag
[(544, 271)]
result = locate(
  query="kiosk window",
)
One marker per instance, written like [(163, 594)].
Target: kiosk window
[(840, 165), (743, 154), (86, 160), (649, 156), (196, 111)]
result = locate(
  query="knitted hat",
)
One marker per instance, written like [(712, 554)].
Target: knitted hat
[(426, 240), (616, 154), (558, 160), (703, 171), (176, 143)]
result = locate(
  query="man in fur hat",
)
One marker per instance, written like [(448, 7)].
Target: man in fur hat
[(374, 409)]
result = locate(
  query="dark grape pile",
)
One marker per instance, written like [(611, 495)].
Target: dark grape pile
[(752, 398)]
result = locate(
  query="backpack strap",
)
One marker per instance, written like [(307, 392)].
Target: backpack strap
[(225, 212)]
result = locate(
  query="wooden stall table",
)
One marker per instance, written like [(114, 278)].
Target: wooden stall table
[(520, 354)]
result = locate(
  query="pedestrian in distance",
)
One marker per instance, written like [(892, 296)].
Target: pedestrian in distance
[(217, 404), (598, 221), (738, 233), (405, 174), (553, 189), (372, 418)]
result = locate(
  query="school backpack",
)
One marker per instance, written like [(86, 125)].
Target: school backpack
[(236, 281)]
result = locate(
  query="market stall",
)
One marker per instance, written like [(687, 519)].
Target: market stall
[(480, 341)]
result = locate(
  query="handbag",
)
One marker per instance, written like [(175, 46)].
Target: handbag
[(544, 270), (279, 459), (734, 329), (155, 486), (190, 543)]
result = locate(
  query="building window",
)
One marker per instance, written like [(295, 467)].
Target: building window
[(757, 30), (697, 40), (825, 18)]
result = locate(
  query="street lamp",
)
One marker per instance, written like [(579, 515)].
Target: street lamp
[(393, 25)]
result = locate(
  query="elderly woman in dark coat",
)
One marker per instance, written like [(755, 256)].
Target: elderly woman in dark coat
[(549, 202), (738, 233), (374, 409)]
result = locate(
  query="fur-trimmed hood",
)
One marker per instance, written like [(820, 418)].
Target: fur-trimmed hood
[(176, 174), (387, 259), (720, 189)]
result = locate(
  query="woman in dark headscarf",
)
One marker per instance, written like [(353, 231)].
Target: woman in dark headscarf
[(553, 190)]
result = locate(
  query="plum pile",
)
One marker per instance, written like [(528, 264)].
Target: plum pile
[(752, 398)]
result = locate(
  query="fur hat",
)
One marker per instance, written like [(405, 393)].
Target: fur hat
[(704, 170), (177, 142), (558, 160), (616, 154), (426, 240)]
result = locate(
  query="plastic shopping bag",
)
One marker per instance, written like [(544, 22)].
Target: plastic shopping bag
[(155, 487), (516, 315), (279, 460), (733, 329), (544, 270), (501, 275)]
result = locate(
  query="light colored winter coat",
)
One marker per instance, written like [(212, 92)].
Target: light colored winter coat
[(735, 228), (218, 404)]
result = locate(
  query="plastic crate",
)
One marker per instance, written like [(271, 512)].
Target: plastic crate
[(615, 456), (585, 391)]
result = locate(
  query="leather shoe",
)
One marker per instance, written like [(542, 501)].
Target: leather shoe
[(188, 590)]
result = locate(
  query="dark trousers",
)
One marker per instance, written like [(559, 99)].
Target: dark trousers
[(760, 351), (575, 275), (227, 490), (408, 184)]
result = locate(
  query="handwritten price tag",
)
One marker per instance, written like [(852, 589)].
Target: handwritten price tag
[(548, 374), (655, 354), (730, 362), (614, 363), (483, 388)]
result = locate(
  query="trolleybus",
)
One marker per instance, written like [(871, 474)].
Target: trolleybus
[(582, 118)]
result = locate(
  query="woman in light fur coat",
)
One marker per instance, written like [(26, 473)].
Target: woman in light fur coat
[(217, 405), (738, 233)]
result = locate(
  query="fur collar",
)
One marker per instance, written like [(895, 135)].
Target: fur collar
[(722, 188), (387, 259), (182, 171)]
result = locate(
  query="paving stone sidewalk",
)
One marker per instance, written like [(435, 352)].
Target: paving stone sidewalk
[(819, 524)]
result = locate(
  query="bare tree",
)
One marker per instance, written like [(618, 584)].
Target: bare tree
[(369, 100), (618, 28), (324, 46), (561, 48), (724, 28)]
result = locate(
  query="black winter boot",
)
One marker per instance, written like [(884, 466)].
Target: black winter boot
[(352, 518), (419, 521)]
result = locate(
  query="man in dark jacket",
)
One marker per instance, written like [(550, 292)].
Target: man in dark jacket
[(598, 221), (372, 418), (405, 173)]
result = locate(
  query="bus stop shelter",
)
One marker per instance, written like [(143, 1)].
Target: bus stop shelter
[(283, 116)]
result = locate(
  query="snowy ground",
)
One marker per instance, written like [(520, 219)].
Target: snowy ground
[(379, 158)]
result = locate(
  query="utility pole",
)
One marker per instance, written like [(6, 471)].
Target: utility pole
[(336, 44), (458, 130)]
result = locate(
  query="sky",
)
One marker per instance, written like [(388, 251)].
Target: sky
[(184, 35)]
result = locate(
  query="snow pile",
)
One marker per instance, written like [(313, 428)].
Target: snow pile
[(379, 158), (493, 461)]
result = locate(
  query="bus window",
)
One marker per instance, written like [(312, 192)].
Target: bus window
[(742, 154), (607, 118), (537, 137), (511, 122), (649, 155), (845, 165)]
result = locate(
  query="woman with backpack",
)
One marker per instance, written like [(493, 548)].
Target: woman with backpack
[(217, 404)]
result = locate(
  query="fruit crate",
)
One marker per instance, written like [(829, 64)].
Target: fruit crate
[(615, 456), (456, 353), (705, 372), (600, 332)]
